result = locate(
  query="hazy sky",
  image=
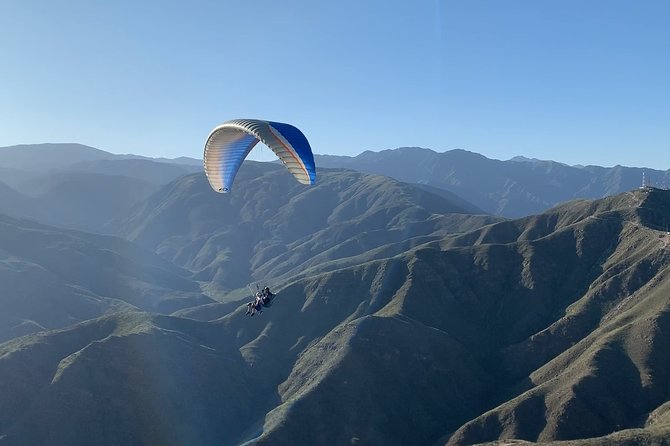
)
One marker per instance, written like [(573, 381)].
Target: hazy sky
[(584, 81)]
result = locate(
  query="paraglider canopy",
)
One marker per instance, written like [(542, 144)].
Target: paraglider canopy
[(230, 143)]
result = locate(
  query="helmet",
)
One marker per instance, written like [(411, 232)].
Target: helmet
[(266, 289)]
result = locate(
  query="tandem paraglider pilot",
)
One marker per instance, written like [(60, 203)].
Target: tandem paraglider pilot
[(263, 298)]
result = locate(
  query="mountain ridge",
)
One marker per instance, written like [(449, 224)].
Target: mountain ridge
[(508, 188), (431, 327), (44, 156), (54, 277), (274, 228), (400, 318)]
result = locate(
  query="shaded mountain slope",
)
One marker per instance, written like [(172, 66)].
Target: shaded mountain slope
[(231, 372), (487, 304), (13, 202), (15, 178), (271, 227), (83, 201), (86, 201), (546, 328), (509, 188), (603, 364), (652, 436), (151, 171), (76, 186), (52, 278), (613, 379), (359, 374), (130, 378), (469, 296), (35, 299)]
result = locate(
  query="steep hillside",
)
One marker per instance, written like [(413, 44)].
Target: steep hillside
[(231, 372), (86, 201), (511, 188), (151, 171), (130, 378), (16, 178), (76, 186), (52, 278), (553, 327), (272, 227), (76, 200), (567, 320), (13, 202), (603, 362)]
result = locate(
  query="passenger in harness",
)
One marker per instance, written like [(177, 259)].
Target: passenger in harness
[(262, 299)]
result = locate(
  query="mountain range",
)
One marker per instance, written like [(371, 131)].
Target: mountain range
[(513, 188), (272, 228), (404, 315), (79, 187)]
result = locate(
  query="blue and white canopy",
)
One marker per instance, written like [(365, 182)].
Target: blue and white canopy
[(230, 143)]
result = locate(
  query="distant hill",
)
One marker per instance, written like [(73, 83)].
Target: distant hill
[(76, 200), (551, 327), (514, 188), (271, 227), (40, 157), (50, 156), (518, 187), (151, 171), (16, 178), (27, 168), (13, 202), (185, 161), (80, 187), (88, 201), (52, 278)]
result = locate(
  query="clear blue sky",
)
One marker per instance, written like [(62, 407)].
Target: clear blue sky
[(584, 81)]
